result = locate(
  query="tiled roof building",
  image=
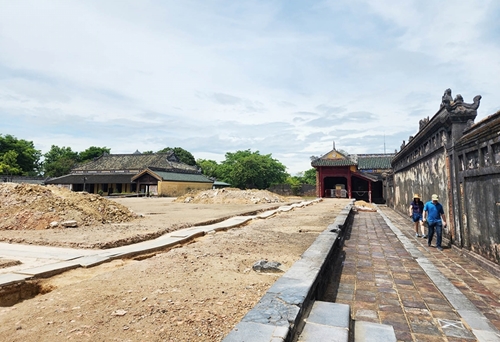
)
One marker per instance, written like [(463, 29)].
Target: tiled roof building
[(356, 176), (151, 174)]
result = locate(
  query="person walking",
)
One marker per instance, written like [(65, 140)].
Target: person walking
[(434, 215), (416, 211)]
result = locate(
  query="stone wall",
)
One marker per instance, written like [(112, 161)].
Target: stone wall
[(286, 190), (477, 188), (460, 161)]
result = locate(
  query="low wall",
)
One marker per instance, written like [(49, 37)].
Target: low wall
[(286, 190), (278, 315)]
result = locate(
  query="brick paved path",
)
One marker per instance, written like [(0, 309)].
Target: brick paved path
[(389, 276)]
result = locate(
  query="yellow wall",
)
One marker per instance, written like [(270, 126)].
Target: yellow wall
[(174, 189)]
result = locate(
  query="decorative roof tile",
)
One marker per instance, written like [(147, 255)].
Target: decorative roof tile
[(332, 162), (371, 162), (183, 177), (92, 178), (135, 163)]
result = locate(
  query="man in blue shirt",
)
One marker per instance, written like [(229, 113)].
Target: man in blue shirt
[(434, 215)]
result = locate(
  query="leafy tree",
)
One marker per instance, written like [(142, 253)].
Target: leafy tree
[(295, 183), (91, 153), (184, 156), (309, 176), (27, 160), (8, 164), (208, 167), (59, 161), (147, 152), (247, 170)]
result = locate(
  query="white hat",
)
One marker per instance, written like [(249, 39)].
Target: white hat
[(435, 197)]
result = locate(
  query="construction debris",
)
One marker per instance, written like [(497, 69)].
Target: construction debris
[(364, 206), (32, 206), (231, 196)]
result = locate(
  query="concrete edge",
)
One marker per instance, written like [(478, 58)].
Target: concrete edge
[(290, 298)]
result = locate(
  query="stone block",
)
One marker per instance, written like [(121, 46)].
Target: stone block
[(324, 333), (373, 332), (331, 314), (256, 332)]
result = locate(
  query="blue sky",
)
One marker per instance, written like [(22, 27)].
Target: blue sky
[(284, 77)]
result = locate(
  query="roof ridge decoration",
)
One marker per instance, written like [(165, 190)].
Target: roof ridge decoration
[(458, 106)]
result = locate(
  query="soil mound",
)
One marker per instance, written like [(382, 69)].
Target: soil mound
[(231, 196), (31, 206)]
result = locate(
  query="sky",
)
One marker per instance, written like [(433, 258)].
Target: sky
[(283, 77)]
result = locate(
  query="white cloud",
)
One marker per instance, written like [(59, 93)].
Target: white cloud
[(281, 77)]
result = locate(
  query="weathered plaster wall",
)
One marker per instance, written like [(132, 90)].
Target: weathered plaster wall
[(425, 177), (483, 215), (478, 191)]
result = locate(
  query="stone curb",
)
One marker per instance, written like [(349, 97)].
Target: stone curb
[(289, 299)]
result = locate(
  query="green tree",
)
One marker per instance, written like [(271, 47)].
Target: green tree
[(208, 167), (295, 183), (309, 176), (184, 156), (59, 161), (8, 164), (27, 160), (147, 152), (91, 153), (248, 170)]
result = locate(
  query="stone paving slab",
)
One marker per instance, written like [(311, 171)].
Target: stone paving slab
[(41, 252), (332, 314), (12, 278), (257, 332), (313, 332), (266, 214), (373, 332), (50, 269), (92, 260)]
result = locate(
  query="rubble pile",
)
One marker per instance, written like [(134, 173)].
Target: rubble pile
[(231, 196), (31, 206), (364, 206)]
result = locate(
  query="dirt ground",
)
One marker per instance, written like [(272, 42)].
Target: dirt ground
[(194, 292), (27, 211)]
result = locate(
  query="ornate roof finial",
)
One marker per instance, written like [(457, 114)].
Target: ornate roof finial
[(458, 106)]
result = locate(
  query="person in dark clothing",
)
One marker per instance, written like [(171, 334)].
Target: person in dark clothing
[(416, 212)]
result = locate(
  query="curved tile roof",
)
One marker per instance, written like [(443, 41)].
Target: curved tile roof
[(374, 162), (332, 162), (135, 162)]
